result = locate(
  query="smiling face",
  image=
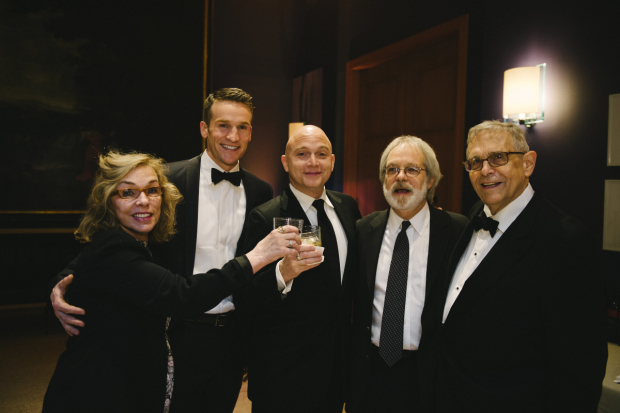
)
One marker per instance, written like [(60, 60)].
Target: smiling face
[(137, 216), (497, 187), (228, 134), (309, 160), (406, 195)]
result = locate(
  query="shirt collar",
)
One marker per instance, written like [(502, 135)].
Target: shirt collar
[(419, 222), (306, 200), (506, 216), (206, 163)]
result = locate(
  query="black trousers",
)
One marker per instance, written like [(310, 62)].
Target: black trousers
[(392, 389), (208, 367), (329, 402)]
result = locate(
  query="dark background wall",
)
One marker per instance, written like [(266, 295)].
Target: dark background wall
[(262, 46)]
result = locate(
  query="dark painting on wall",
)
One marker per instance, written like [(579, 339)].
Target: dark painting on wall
[(78, 77), (48, 147)]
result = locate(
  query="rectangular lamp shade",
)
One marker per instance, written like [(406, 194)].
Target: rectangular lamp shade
[(521, 91), (292, 127)]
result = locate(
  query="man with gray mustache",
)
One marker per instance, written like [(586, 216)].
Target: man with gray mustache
[(402, 252)]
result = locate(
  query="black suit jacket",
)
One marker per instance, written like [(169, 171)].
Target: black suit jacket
[(526, 333), (445, 229), (296, 341), (178, 255)]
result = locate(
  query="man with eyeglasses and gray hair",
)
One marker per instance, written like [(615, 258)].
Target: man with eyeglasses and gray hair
[(402, 253), (519, 325)]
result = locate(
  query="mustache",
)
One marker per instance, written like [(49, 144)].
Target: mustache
[(401, 185)]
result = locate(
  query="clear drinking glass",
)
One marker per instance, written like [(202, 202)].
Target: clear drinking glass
[(280, 222), (311, 234)]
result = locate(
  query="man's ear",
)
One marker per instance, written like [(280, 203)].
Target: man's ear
[(430, 183), (529, 163), (204, 130), (333, 161), (284, 163)]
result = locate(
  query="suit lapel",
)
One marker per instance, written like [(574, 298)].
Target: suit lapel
[(251, 201), (192, 181), (439, 233), (373, 247), (290, 207), (348, 225), (514, 244), (457, 253), (250, 195)]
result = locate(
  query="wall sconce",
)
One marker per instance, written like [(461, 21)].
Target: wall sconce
[(524, 95), (292, 127)]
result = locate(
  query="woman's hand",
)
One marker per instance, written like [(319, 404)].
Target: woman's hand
[(281, 242)]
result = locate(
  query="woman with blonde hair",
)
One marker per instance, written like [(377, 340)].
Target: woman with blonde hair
[(120, 360)]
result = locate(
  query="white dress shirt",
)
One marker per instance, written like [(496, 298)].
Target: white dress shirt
[(481, 243), (306, 205), (221, 213), (418, 234)]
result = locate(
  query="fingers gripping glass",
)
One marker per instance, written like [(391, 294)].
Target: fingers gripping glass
[(410, 171), (133, 193), (495, 159)]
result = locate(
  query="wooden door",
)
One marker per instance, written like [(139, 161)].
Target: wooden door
[(414, 87)]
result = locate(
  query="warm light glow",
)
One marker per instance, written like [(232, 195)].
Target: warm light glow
[(521, 91), (292, 127)]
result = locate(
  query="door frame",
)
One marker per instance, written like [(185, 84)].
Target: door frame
[(437, 34)]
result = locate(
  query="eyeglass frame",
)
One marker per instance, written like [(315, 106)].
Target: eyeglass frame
[(490, 164), (398, 170), (119, 192)]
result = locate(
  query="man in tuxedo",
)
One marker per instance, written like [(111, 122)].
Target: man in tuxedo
[(299, 328), (207, 350), (519, 323), (401, 251)]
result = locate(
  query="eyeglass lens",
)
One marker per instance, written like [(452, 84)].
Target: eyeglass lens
[(409, 171), (133, 193), (494, 159)]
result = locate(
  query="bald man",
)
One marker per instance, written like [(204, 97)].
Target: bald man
[(299, 328)]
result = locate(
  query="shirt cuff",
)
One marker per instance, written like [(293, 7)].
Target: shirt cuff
[(283, 287)]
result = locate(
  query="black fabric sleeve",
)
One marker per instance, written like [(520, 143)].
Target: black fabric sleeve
[(62, 274), (123, 270)]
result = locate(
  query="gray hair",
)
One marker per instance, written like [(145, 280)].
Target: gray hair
[(519, 141), (430, 161)]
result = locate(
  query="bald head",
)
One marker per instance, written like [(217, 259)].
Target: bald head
[(305, 133), (308, 160)]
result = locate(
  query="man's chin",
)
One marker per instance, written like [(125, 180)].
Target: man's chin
[(402, 201)]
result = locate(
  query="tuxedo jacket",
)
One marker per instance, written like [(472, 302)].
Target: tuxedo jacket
[(445, 229), (178, 255), (297, 340), (527, 331)]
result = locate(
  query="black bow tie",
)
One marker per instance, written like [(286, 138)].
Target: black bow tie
[(486, 223), (218, 176)]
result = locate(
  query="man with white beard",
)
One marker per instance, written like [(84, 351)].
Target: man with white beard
[(402, 252)]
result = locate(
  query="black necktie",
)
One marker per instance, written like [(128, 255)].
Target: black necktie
[(218, 176), (328, 240), (392, 323), (486, 223)]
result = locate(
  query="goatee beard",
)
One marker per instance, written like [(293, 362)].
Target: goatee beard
[(404, 202)]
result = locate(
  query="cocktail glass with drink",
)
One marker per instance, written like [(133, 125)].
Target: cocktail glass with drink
[(311, 235)]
